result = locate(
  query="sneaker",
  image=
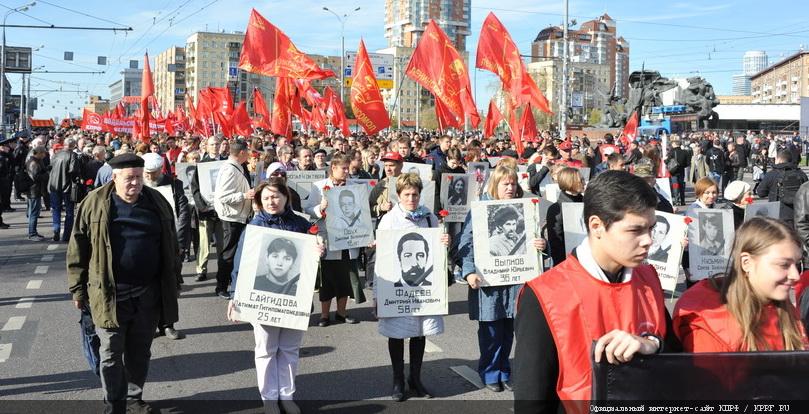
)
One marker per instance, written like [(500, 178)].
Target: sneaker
[(345, 319), (55, 236), (223, 294), (4, 225), (173, 334), (36, 238), (202, 277)]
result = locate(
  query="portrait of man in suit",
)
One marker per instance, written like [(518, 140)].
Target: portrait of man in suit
[(413, 252), (659, 251)]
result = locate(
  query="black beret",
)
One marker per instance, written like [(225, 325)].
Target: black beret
[(126, 160)]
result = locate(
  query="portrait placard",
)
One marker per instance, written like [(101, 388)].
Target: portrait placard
[(276, 281), (165, 191), (710, 239), (573, 224), (207, 173), (493, 161), (457, 193), (552, 192), (348, 217), (183, 174), (666, 251), (770, 209), (301, 181), (480, 170), (663, 185), (411, 273), (585, 174), (425, 171), (370, 182), (523, 179), (503, 233), (426, 198)]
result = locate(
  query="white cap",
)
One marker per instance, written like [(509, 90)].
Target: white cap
[(152, 161)]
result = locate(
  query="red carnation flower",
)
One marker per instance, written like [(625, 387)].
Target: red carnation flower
[(688, 220), (314, 229), (524, 175), (89, 181), (372, 183), (443, 213), (449, 178), (326, 188), (749, 200), (323, 213), (535, 200)]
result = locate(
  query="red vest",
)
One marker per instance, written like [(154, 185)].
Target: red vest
[(581, 309)]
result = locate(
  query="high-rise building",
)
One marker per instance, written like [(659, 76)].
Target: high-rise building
[(784, 82), (754, 61), (212, 60), (128, 85), (587, 85), (168, 74), (405, 20), (595, 42), (96, 104), (741, 84)]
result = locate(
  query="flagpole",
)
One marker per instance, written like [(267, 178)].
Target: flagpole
[(563, 109)]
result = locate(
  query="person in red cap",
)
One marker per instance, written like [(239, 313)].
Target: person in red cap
[(565, 148)]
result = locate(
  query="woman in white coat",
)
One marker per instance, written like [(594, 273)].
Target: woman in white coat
[(409, 214)]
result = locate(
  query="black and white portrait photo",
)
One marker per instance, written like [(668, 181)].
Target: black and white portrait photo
[(185, 174), (506, 230), (413, 251), (503, 233), (763, 209), (348, 217), (278, 272), (456, 194), (659, 251), (425, 171), (711, 235), (208, 173), (410, 272), (276, 277)]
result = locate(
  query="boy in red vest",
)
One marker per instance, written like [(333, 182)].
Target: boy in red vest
[(602, 292)]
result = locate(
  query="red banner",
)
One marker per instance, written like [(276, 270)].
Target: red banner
[(493, 118), (366, 100), (241, 120), (260, 108), (269, 52), (281, 114), (336, 111)]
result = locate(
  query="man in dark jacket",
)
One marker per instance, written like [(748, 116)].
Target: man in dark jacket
[(683, 161), (209, 223), (35, 168), (439, 156), (782, 184), (65, 173), (123, 264), (6, 174), (716, 159)]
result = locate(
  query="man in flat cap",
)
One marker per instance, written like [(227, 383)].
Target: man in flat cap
[(123, 264)]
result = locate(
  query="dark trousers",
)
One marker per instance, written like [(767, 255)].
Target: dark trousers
[(231, 232), (125, 351), (678, 187), (57, 199), (5, 193), (34, 208), (495, 339)]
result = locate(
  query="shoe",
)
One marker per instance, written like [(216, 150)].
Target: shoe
[(55, 236), (138, 407), (345, 319), (324, 322), (398, 390), (4, 225), (494, 387), (289, 407), (418, 388), (508, 386), (173, 334), (271, 407), (223, 294), (9, 210), (202, 277)]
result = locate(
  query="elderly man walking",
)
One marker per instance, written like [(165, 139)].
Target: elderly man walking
[(123, 263)]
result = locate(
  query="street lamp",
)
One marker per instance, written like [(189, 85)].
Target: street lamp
[(342, 19), (20, 9)]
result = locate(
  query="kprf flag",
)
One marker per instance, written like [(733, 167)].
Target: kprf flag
[(260, 108), (335, 111), (366, 100), (438, 67), (240, 120), (493, 118), (268, 51), (146, 90), (281, 114)]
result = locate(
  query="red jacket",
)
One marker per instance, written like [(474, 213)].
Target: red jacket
[(704, 324), (580, 309)]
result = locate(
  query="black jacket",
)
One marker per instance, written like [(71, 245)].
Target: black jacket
[(536, 173), (768, 188), (802, 219), (715, 158), (683, 159), (65, 171), (555, 226), (39, 174), (182, 210)]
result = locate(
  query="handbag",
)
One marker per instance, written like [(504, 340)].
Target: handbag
[(90, 343)]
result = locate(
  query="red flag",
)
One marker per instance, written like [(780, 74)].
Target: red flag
[(241, 120), (445, 117), (630, 131), (120, 112), (308, 93), (281, 117), (498, 53), (91, 121), (224, 123), (268, 51), (493, 118), (217, 100), (528, 127), (260, 108), (319, 120), (366, 100), (169, 127), (336, 111), (438, 66), (146, 90)]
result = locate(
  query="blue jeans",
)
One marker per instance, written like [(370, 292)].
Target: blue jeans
[(56, 211), (34, 207), (495, 339)]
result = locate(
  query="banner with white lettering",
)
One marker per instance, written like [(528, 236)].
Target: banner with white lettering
[(411, 273), (503, 236), (276, 279)]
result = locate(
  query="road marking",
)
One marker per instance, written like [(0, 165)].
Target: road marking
[(24, 303), (431, 347), (41, 270), (34, 284), (5, 352), (14, 323), (53, 246), (47, 258), (468, 374)]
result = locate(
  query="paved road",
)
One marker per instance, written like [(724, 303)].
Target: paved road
[(41, 358)]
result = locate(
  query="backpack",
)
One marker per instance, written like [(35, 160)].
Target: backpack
[(23, 181), (788, 185)]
